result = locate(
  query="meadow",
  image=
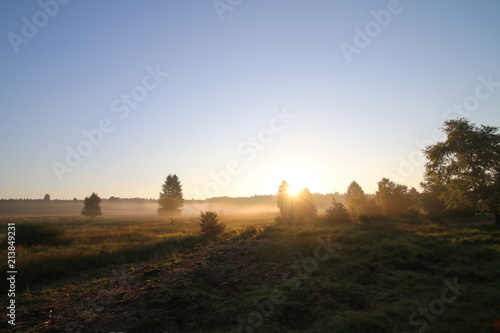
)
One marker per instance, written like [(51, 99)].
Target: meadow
[(147, 274)]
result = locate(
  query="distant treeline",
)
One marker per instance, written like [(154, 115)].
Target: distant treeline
[(139, 206)]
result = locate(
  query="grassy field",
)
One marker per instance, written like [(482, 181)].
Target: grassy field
[(142, 274)]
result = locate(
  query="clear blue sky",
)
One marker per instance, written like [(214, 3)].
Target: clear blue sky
[(68, 68)]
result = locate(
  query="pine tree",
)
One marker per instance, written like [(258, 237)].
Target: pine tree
[(210, 225), (92, 206), (171, 200)]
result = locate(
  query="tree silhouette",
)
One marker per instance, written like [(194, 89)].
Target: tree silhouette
[(304, 208), (92, 206), (392, 197), (46, 197), (466, 167), (295, 209), (284, 201), (336, 213), (171, 200), (431, 200), (355, 199)]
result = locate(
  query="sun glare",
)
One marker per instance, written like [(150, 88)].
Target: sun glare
[(293, 190)]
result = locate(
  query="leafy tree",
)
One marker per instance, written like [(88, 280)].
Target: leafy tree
[(371, 209), (304, 208), (284, 201), (431, 200), (392, 197), (46, 197), (466, 166), (413, 197), (355, 199), (414, 202), (295, 209), (337, 213), (209, 224), (171, 200), (92, 206)]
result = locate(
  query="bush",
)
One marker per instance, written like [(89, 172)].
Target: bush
[(38, 233), (412, 212), (209, 224), (249, 232), (337, 213)]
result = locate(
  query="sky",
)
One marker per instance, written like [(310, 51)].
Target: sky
[(235, 96)]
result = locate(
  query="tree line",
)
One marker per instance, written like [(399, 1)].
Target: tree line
[(461, 178)]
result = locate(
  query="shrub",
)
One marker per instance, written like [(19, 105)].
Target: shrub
[(337, 213), (249, 232), (412, 212), (209, 224)]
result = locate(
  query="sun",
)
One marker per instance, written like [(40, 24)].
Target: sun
[(293, 190)]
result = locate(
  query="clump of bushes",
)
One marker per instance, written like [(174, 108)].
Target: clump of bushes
[(249, 232), (209, 224)]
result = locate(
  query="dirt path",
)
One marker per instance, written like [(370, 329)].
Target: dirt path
[(118, 302)]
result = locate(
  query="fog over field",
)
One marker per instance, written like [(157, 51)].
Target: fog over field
[(121, 207)]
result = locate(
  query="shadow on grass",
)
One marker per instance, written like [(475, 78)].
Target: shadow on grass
[(73, 261)]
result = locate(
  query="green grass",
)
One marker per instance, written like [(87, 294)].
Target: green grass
[(376, 278), (280, 278)]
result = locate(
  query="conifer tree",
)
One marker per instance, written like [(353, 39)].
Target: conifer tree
[(171, 200)]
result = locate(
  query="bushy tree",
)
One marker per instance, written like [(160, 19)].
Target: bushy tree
[(295, 209), (209, 224), (92, 206), (466, 166), (355, 199), (304, 208), (171, 200), (392, 197), (371, 209), (46, 197), (431, 200), (284, 201), (336, 213)]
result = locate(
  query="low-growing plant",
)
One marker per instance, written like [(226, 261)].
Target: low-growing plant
[(209, 224)]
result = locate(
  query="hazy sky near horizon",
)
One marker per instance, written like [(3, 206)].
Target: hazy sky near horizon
[(235, 96)]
